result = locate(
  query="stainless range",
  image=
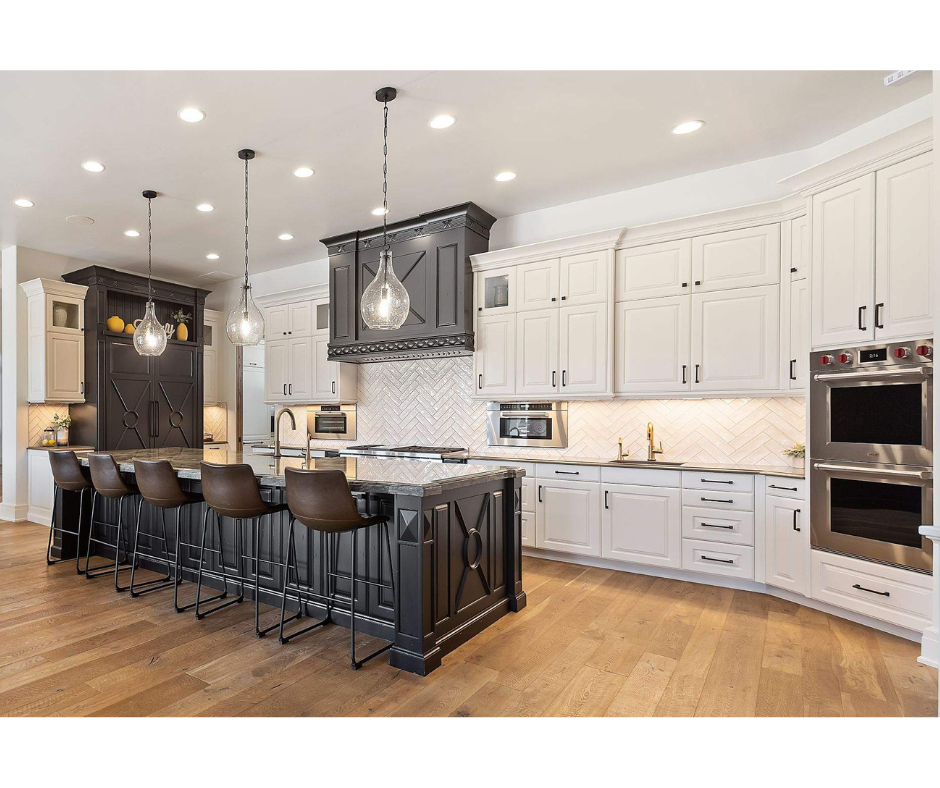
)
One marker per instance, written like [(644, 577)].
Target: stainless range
[(871, 451), (429, 453)]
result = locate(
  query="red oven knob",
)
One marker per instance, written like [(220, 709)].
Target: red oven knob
[(825, 360), (901, 352), (844, 358), (924, 350)]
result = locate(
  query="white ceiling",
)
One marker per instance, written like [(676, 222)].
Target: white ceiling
[(568, 135)]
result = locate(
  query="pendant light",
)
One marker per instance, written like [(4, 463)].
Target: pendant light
[(245, 324), (150, 336), (385, 302)]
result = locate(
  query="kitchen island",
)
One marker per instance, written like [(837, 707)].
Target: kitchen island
[(455, 544)]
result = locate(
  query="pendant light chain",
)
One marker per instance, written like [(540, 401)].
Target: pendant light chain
[(246, 222), (385, 179), (150, 248)]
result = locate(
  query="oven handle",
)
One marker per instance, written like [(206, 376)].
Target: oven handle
[(524, 414), (874, 373), (827, 466)]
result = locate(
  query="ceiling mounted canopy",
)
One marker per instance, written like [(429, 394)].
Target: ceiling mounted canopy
[(150, 336), (245, 324)]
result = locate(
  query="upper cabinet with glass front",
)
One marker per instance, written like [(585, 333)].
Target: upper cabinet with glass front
[(56, 340)]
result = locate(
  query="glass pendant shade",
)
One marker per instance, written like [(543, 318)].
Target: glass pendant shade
[(150, 336), (245, 324), (385, 302)]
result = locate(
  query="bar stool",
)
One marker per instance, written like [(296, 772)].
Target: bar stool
[(68, 475), (321, 501), (106, 478), (233, 491), (160, 487)]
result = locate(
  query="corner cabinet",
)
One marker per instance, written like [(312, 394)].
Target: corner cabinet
[(56, 341)]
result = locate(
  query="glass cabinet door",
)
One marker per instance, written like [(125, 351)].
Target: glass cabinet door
[(495, 290)]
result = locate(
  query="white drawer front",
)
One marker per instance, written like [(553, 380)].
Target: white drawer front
[(569, 473), (718, 559), (711, 526), (892, 594), (784, 487), (528, 529), (734, 501), (706, 480), (650, 477), (528, 467), (528, 494)]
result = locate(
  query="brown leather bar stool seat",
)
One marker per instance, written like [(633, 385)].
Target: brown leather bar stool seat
[(232, 491), (160, 487), (321, 501), (108, 483), (67, 476)]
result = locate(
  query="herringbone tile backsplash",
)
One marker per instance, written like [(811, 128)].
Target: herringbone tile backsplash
[(40, 417), (428, 402)]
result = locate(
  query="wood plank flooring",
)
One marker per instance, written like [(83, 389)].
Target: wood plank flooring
[(591, 642)]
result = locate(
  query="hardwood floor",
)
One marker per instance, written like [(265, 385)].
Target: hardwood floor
[(590, 642)]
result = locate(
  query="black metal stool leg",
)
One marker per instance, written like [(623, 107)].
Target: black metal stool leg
[(49, 561), (203, 613), (117, 545), (292, 562), (78, 536), (91, 531), (159, 583), (352, 602), (256, 524)]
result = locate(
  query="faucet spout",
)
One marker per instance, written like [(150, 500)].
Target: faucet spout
[(277, 429), (651, 450)]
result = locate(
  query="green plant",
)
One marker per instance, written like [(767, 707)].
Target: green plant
[(181, 317), (62, 421), (796, 450)]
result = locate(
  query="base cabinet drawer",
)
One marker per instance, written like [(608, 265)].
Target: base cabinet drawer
[(528, 529), (720, 482), (718, 559), (710, 525), (732, 501), (785, 487), (884, 592), (642, 525), (568, 517)]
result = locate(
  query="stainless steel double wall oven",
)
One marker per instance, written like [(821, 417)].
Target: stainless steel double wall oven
[(871, 451)]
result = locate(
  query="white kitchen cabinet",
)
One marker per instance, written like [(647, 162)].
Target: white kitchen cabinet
[(537, 353), (276, 370), (494, 358), (584, 278), (65, 368), (40, 487), (300, 369), (798, 360), (293, 319), (332, 381), (800, 248), (583, 349), (211, 336), (903, 286), (652, 345), (537, 285), (496, 291), (568, 517), (528, 529), (843, 259), (735, 339), (785, 521), (736, 258), (642, 525), (654, 271)]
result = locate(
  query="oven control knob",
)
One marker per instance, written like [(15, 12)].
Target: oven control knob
[(825, 360), (901, 352), (924, 350), (844, 358)]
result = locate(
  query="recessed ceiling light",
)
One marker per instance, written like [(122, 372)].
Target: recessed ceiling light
[(205, 207), (442, 121), (82, 221), (23, 203), (688, 127), (505, 176), (212, 256), (191, 114), (303, 172), (93, 166), (285, 237), (379, 211), (131, 233)]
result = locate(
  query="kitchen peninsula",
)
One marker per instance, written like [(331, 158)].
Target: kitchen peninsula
[(455, 533)]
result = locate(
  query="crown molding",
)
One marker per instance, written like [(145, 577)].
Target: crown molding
[(53, 287), (578, 244), (903, 144), (309, 293)]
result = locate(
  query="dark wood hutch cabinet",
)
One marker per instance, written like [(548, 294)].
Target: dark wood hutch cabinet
[(133, 401)]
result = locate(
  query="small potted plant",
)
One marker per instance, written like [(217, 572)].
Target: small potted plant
[(182, 332), (797, 452), (62, 424)]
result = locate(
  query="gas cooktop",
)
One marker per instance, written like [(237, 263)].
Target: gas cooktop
[(442, 453)]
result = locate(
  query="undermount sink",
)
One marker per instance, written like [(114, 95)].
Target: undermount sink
[(649, 463)]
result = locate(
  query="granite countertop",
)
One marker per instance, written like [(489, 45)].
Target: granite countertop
[(789, 471), (364, 474), (61, 448)]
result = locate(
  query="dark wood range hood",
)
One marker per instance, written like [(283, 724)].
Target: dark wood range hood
[(431, 256)]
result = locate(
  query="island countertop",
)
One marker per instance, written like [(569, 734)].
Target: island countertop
[(364, 474)]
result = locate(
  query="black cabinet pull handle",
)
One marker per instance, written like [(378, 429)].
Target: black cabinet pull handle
[(717, 481), (553, 378), (879, 308), (540, 493), (716, 525), (480, 381), (683, 367), (563, 383), (83, 388), (871, 591), (333, 386), (792, 370), (795, 526), (606, 493), (718, 500), (569, 473), (553, 299), (776, 487), (792, 270), (718, 560), (685, 284), (290, 389), (285, 390), (861, 312), (696, 373)]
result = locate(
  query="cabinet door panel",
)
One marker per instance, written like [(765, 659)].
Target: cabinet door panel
[(737, 258), (537, 285), (654, 271), (735, 339), (496, 291), (210, 372), (799, 334), (785, 545), (568, 517), (651, 340), (65, 367), (584, 278), (903, 281), (300, 317), (277, 321), (494, 359), (276, 365), (843, 260), (537, 352), (583, 349), (325, 375), (800, 248), (300, 369), (642, 524)]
